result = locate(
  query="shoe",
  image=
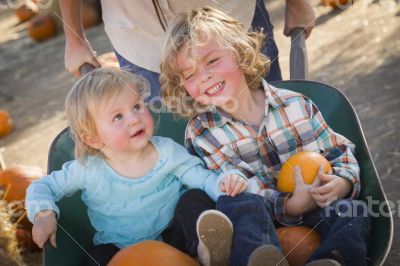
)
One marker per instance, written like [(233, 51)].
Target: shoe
[(324, 262), (215, 231), (267, 255)]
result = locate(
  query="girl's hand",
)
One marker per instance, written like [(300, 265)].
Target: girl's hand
[(334, 187), (233, 185), (45, 228)]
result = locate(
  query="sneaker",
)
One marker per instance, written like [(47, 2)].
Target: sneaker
[(324, 262), (267, 255), (215, 231)]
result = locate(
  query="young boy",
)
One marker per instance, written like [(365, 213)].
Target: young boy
[(211, 72)]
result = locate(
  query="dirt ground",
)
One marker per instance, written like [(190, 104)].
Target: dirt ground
[(356, 50)]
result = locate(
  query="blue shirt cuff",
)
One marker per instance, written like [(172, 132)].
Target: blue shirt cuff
[(277, 201)]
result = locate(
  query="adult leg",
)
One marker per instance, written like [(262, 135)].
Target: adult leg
[(252, 225), (182, 232), (152, 77), (344, 229), (270, 49), (101, 255)]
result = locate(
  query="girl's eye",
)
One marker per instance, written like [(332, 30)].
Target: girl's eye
[(117, 117), (212, 61), (137, 107)]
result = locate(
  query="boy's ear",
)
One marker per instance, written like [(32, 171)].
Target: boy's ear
[(92, 141)]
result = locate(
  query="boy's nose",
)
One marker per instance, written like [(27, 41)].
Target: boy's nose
[(204, 74), (133, 119)]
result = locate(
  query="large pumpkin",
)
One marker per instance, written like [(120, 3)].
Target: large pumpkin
[(298, 243), (152, 253), (309, 163), (42, 27), (6, 124), (14, 181)]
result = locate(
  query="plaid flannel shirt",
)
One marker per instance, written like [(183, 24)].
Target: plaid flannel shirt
[(292, 123)]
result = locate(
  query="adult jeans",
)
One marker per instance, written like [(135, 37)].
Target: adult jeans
[(261, 20)]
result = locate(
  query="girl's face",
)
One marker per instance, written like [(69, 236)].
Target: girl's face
[(213, 77), (123, 124)]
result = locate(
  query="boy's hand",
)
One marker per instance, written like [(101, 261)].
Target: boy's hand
[(45, 228), (233, 185), (301, 201), (334, 187)]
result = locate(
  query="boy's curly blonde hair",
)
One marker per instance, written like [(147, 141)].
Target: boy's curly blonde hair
[(196, 28), (88, 94)]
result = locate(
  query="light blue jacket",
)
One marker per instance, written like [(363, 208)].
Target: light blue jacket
[(125, 211)]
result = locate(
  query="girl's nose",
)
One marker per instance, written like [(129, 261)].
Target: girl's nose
[(133, 119)]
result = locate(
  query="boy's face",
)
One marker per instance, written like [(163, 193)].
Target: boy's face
[(123, 124), (213, 77)]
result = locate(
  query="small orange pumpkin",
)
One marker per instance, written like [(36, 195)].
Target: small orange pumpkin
[(309, 163), (337, 3), (14, 181), (6, 124), (152, 253), (298, 243), (26, 11), (42, 27)]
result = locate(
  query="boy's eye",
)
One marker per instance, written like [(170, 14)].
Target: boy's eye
[(212, 61), (188, 76), (117, 117)]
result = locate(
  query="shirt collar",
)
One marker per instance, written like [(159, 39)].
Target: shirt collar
[(217, 117)]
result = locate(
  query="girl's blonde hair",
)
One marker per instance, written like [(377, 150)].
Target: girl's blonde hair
[(196, 28), (88, 94)]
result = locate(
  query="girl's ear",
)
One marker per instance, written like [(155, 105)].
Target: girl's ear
[(92, 141)]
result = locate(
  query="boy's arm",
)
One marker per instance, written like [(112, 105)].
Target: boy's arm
[(220, 163), (43, 193), (338, 150)]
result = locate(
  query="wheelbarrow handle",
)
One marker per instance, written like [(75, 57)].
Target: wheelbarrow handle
[(298, 55), (86, 68)]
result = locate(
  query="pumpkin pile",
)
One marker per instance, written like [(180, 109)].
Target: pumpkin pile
[(13, 183), (43, 24)]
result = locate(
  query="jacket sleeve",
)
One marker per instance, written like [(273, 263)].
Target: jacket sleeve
[(337, 149), (43, 193)]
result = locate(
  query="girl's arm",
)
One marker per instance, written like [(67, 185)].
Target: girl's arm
[(43, 193)]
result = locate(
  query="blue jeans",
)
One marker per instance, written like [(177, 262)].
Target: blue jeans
[(260, 20), (252, 223), (344, 228)]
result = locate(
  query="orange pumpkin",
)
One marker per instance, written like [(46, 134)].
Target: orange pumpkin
[(152, 253), (6, 124), (42, 27), (14, 181), (337, 3), (309, 163), (26, 11), (298, 243)]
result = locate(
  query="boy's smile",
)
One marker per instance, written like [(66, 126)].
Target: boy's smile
[(212, 76)]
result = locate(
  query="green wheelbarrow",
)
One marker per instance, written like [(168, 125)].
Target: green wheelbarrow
[(75, 233)]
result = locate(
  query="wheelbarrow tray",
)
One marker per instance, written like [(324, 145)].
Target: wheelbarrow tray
[(75, 233)]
